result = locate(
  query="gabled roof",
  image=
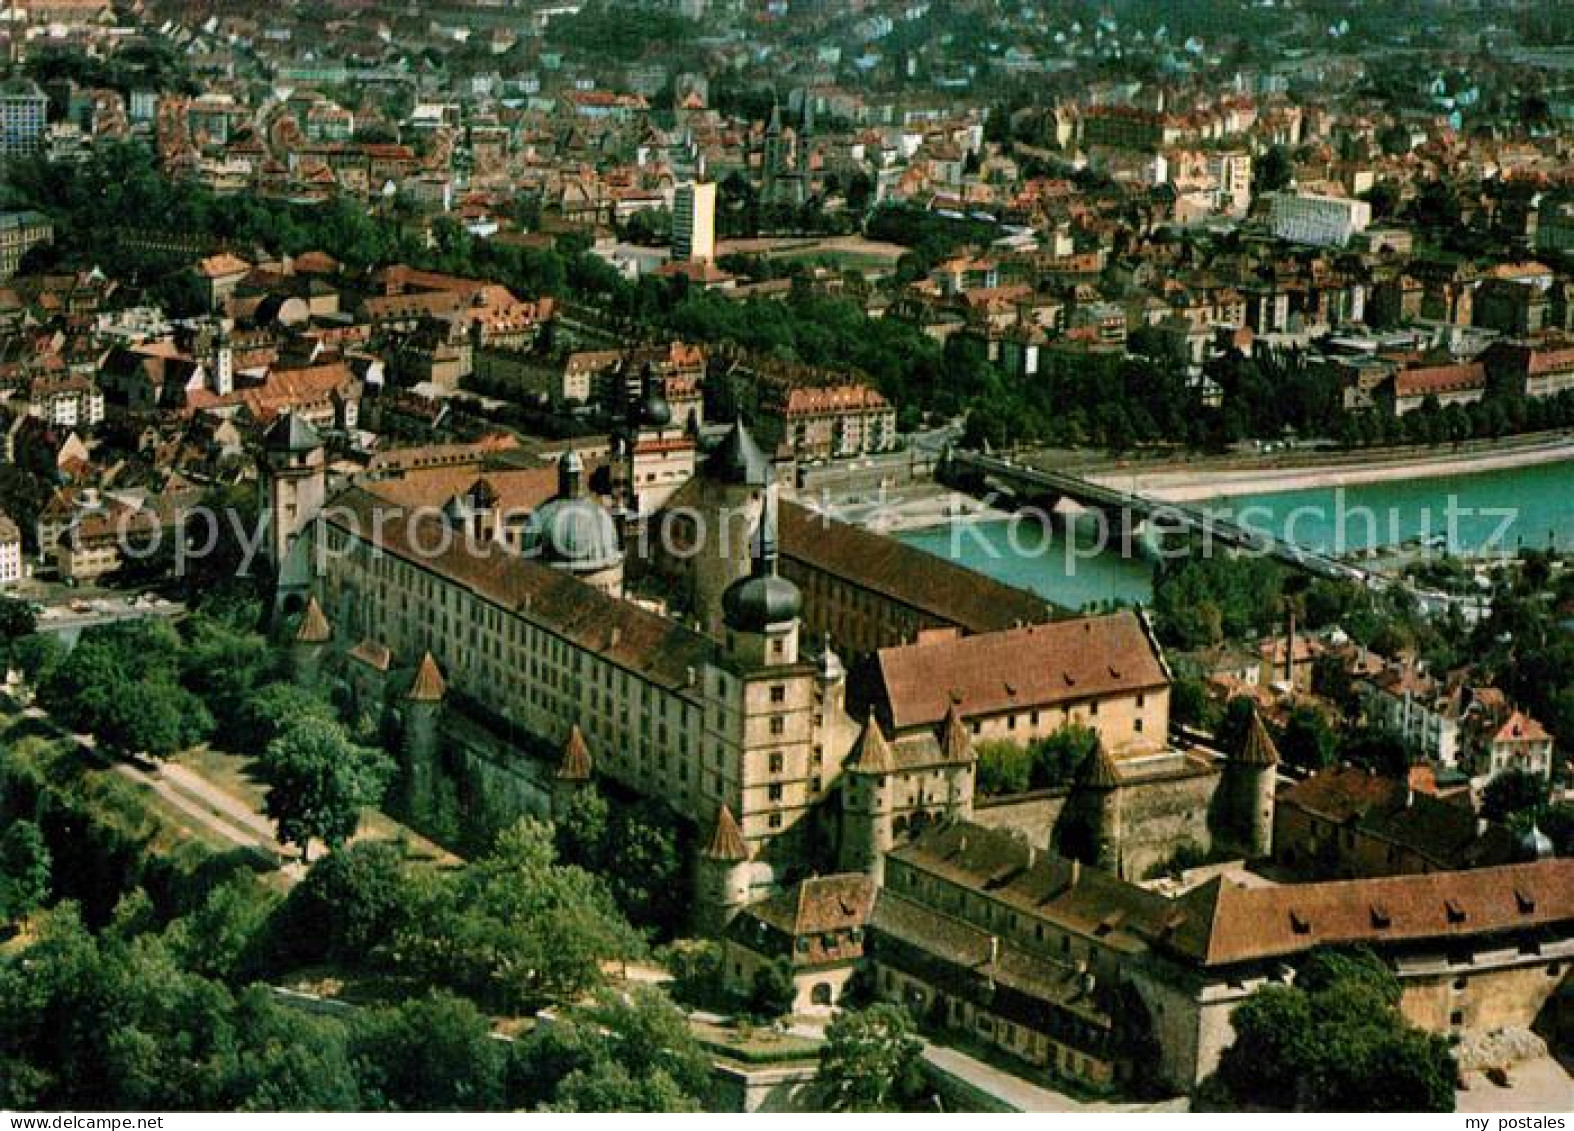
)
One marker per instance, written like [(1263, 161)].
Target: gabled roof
[(726, 839), (1222, 922), (927, 582), (1520, 727), (1018, 669)]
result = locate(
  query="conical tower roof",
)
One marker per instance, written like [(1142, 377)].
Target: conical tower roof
[(1258, 749), (955, 740), (739, 460), (1098, 770), (314, 627), (293, 433), (872, 753), (726, 839), (576, 764), (429, 686)]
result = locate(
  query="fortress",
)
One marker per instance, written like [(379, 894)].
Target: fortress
[(807, 698), (705, 668)]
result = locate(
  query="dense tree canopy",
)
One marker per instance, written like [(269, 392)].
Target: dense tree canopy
[(1334, 1041), (319, 781), (870, 1060)]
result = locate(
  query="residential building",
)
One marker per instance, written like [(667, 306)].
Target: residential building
[(1496, 745), (837, 422), (10, 552), (1318, 220), (24, 117), (20, 233), (694, 221)]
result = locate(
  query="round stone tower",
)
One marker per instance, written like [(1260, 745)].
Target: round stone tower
[(1248, 782), (1091, 827), (867, 803), (574, 772), (423, 703), (311, 640), (721, 875)]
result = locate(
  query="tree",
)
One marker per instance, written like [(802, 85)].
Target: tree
[(350, 906), (871, 1060), (120, 683), (774, 990), (24, 871), (624, 1052), (268, 711), (432, 1054), (17, 620), (1275, 170), (1334, 1040), (221, 938), (1308, 741), (1191, 706), (1004, 768), (1057, 758), (319, 781), (1515, 794), (633, 846), (1378, 750), (37, 657), (516, 928), (289, 1061)]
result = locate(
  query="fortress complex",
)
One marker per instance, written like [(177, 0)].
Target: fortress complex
[(532, 637)]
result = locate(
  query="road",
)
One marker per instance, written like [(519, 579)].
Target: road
[(200, 806), (220, 812), (1008, 1089)]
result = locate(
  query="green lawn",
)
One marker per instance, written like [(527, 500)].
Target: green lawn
[(236, 774)]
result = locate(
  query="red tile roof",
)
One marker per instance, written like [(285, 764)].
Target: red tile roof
[(1018, 669), (1224, 923)]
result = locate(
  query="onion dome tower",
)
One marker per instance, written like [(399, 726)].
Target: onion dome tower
[(761, 612)]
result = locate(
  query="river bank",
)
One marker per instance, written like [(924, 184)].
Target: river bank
[(900, 510), (1185, 484)]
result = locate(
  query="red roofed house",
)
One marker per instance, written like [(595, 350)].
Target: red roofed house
[(1409, 389), (1105, 673), (837, 422), (815, 928), (1495, 745)]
